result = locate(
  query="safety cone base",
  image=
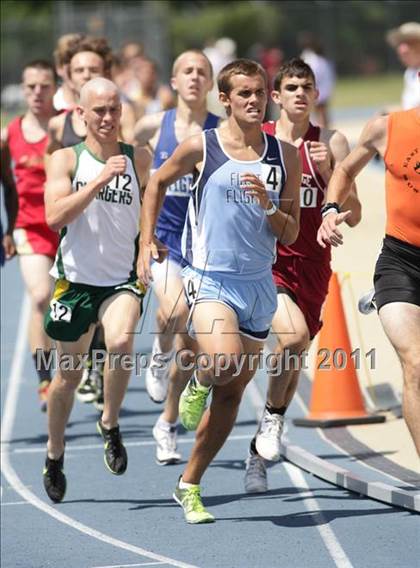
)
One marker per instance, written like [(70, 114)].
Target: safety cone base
[(336, 398), (343, 421)]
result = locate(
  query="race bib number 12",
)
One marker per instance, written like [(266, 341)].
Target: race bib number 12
[(60, 312)]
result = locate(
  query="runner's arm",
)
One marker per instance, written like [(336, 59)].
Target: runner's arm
[(183, 161), (372, 140), (62, 204), (143, 162), (340, 149), (10, 199), (55, 129), (286, 222), (146, 129), (127, 123)]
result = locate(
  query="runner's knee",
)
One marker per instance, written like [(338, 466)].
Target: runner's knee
[(411, 366), (294, 343), (170, 320), (229, 396), (40, 297), (224, 369), (185, 358), (119, 343), (69, 379)]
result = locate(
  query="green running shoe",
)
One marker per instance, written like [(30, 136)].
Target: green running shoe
[(190, 501), (192, 404), (115, 454)]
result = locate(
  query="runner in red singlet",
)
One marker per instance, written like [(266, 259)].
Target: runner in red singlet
[(36, 244), (302, 270)]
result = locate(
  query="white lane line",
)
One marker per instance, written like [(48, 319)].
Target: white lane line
[(129, 565), (16, 371), (337, 553), (7, 423), (340, 449), (15, 503), (327, 534), (69, 448), (258, 402)]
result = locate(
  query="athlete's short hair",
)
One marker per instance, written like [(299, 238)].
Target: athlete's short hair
[(42, 64), (295, 67), (64, 43), (175, 65), (238, 67), (98, 45), (130, 49)]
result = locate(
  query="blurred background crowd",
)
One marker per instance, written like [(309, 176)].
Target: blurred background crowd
[(345, 40)]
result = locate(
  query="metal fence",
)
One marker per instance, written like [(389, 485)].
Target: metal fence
[(146, 22)]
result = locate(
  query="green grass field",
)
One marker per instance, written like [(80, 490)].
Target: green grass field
[(375, 90), (371, 91)]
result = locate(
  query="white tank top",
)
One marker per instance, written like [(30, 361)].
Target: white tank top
[(99, 248)]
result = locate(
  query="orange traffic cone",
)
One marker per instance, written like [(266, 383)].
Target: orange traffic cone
[(336, 397)]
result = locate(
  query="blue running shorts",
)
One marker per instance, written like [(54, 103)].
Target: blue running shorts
[(253, 301)]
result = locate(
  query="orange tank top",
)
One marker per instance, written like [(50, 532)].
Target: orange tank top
[(402, 178)]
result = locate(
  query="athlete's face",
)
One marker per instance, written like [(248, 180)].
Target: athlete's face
[(39, 88), (409, 53), (192, 79), (102, 113), (85, 66), (297, 96), (247, 99)]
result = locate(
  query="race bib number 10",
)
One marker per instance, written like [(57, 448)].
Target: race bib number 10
[(308, 196)]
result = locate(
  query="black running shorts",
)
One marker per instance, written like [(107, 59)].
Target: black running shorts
[(397, 273)]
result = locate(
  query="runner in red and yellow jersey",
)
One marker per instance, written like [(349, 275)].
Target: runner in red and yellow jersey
[(397, 273), (26, 141)]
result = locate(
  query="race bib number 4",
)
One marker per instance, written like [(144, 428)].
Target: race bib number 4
[(308, 196), (192, 287), (60, 312), (271, 176)]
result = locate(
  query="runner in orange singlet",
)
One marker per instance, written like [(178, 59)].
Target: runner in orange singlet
[(397, 274)]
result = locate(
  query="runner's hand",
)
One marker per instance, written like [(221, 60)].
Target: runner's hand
[(328, 234), (160, 251), (320, 156), (9, 247), (154, 250), (252, 185), (115, 166)]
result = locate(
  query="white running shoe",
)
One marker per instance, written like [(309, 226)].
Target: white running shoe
[(86, 391), (367, 302), (157, 374), (255, 474), (268, 438), (166, 453)]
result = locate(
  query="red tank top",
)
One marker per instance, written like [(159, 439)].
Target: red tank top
[(312, 193), (28, 168)]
